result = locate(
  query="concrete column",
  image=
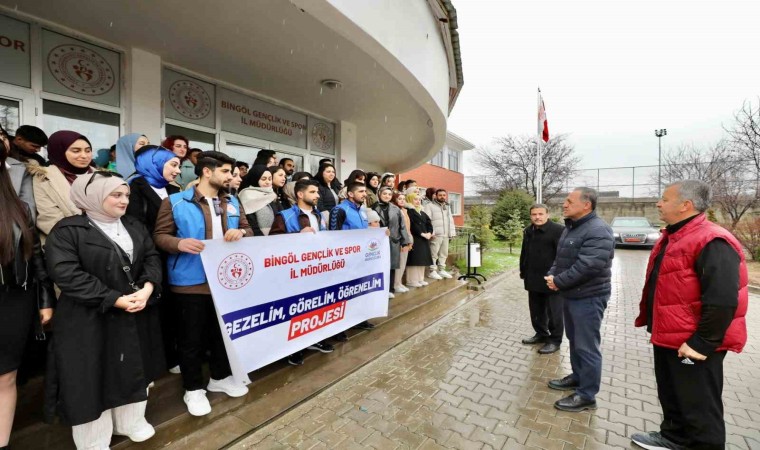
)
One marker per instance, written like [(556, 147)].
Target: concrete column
[(346, 148), (144, 94)]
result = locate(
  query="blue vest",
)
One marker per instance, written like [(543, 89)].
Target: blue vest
[(290, 216), (186, 269), (356, 218)]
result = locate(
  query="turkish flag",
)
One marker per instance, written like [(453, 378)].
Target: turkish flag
[(543, 124)]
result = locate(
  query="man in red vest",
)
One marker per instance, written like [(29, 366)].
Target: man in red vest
[(694, 303)]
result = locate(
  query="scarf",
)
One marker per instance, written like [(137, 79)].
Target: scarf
[(149, 163), (253, 198), (91, 202), (125, 154), (58, 143)]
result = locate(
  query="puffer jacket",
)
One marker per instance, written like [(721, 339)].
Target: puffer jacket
[(677, 297), (443, 220), (583, 264)]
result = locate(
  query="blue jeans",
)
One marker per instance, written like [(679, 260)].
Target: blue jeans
[(583, 322)]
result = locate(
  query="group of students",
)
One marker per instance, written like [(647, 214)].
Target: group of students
[(109, 254)]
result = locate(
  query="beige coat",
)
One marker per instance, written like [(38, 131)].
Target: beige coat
[(51, 194)]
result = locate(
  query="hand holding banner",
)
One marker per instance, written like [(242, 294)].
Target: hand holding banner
[(277, 295)]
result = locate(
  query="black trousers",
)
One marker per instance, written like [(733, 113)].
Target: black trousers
[(198, 331), (546, 315), (691, 399)]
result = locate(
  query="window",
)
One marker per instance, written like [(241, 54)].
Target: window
[(198, 139), (437, 159), (101, 128), (455, 201), (9, 114), (454, 161)]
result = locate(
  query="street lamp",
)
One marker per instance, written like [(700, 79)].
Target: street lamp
[(659, 134)]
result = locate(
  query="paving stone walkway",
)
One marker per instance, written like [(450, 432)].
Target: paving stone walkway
[(468, 383)]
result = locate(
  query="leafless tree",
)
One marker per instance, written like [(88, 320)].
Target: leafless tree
[(744, 136), (510, 163), (719, 165)]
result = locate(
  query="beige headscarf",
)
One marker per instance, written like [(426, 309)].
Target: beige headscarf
[(91, 202)]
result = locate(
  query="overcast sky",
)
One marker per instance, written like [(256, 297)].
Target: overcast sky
[(610, 71)]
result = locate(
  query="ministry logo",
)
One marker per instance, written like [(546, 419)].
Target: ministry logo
[(235, 271), (372, 250)]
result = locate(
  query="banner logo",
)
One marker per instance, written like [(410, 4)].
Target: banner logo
[(190, 99), (80, 69), (373, 250), (235, 271)]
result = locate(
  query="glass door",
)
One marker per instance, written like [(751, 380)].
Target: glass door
[(10, 114)]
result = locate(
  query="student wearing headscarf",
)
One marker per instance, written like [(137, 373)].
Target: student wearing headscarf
[(259, 200), (70, 155), (106, 345), (156, 168), (373, 182), (388, 179), (399, 200), (126, 147), (390, 216)]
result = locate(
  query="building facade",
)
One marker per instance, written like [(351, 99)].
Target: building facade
[(445, 171), (310, 79)]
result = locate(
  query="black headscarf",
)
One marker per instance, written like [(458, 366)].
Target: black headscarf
[(253, 176)]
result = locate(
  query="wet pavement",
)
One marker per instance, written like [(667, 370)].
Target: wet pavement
[(468, 383)]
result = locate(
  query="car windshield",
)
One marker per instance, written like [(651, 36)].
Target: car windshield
[(631, 222)]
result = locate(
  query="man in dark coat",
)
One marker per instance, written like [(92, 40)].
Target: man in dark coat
[(582, 274), (539, 246)]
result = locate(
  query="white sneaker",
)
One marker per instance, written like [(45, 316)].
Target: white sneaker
[(423, 283), (175, 370), (197, 403), (228, 386), (390, 295), (401, 289), (142, 432), (434, 275), (414, 284), (444, 274)]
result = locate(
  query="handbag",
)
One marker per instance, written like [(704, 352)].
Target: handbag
[(119, 252)]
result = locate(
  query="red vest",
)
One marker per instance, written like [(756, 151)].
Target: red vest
[(677, 305)]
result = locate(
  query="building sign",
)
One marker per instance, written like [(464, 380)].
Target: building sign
[(15, 62), (321, 136), (256, 118), (77, 69), (188, 99)]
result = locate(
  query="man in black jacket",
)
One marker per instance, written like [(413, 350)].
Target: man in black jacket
[(539, 246), (582, 274)]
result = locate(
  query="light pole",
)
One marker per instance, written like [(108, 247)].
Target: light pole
[(659, 134)]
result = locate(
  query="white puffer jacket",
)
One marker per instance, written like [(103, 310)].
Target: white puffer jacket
[(443, 220)]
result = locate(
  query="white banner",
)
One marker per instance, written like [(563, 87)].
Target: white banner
[(276, 295)]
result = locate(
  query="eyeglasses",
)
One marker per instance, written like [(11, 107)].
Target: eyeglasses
[(102, 173)]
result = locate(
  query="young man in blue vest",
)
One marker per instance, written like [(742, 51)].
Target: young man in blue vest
[(349, 215), (303, 217), (184, 220)]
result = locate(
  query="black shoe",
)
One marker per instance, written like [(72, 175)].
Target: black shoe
[(296, 359), (364, 326), (548, 348), (323, 347), (341, 337), (654, 441), (574, 403), (537, 339), (565, 384)]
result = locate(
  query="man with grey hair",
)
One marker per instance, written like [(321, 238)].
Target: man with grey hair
[(539, 246), (582, 275), (694, 301)]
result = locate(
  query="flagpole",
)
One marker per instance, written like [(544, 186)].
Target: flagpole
[(539, 169)]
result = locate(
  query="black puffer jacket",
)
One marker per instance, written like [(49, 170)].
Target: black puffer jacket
[(583, 264)]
